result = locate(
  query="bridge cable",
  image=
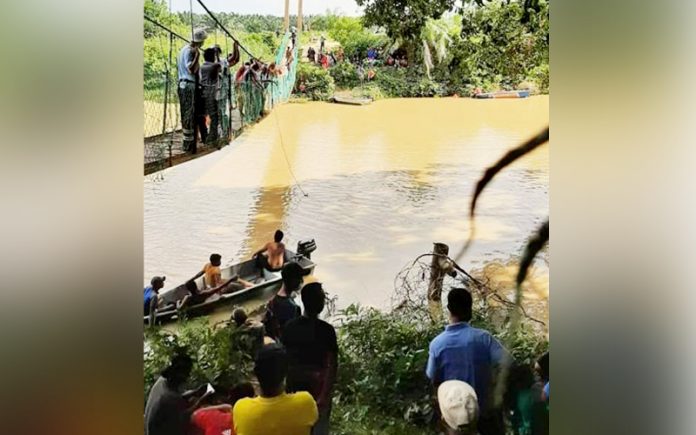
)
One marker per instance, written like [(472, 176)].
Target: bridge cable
[(285, 154), (251, 55)]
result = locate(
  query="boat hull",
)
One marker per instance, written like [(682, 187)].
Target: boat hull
[(247, 270)]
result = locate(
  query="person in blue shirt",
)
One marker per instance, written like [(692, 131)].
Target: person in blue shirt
[(151, 295), (462, 352)]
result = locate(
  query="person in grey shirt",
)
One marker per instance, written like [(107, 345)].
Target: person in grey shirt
[(167, 411), (188, 70)]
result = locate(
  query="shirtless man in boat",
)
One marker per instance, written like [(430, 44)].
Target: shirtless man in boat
[(274, 251)]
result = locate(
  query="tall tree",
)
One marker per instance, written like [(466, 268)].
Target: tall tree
[(403, 19)]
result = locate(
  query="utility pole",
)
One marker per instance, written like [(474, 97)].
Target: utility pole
[(299, 16), (286, 22)]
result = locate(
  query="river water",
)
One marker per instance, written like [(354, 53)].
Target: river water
[(383, 183)]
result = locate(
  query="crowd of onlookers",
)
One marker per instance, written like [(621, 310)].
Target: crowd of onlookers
[(205, 89), (296, 363)]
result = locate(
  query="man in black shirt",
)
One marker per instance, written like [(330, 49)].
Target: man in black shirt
[(313, 354), (282, 308)]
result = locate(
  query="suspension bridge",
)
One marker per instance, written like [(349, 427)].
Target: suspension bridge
[(242, 103)]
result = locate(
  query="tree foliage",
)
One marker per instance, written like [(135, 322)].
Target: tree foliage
[(403, 19), (313, 82)]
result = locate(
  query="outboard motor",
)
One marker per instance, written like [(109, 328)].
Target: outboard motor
[(306, 247)]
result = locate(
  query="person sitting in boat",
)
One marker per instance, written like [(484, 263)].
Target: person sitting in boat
[(271, 257), (197, 296), (212, 277)]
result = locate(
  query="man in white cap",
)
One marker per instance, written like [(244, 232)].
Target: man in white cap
[(188, 69), (459, 407)]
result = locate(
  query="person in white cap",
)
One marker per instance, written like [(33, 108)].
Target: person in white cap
[(459, 407), (188, 71), (472, 355)]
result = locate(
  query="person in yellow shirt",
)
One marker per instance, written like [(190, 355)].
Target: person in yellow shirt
[(213, 276), (275, 411)]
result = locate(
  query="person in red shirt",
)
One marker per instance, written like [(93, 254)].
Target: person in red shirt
[(217, 420)]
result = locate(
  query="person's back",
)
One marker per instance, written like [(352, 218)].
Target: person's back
[(287, 414), (468, 354), (210, 72), (284, 309), (212, 422), (166, 410), (310, 344), (275, 411), (276, 254), (312, 354)]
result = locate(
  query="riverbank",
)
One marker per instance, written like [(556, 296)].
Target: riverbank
[(381, 385)]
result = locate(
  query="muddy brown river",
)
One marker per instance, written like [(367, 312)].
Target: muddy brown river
[(383, 182)]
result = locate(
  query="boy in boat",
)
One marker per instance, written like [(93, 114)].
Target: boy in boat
[(213, 277), (272, 256)]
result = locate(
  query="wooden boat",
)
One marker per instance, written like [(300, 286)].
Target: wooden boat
[(353, 101), (503, 94), (247, 270)]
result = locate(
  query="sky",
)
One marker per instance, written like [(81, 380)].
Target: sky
[(269, 7)]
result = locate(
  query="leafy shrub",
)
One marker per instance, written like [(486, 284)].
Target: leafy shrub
[(314, 82), (221, 355), (382, 358), (345, 75), (406, 82), (539, 75), (368, 91)]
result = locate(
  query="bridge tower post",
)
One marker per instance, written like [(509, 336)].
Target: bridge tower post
[(299, 16), (286, 22)]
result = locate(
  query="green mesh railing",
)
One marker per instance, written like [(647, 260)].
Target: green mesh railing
[(245, 103), (255, 99)]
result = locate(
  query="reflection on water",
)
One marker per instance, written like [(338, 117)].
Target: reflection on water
[(384, 181)]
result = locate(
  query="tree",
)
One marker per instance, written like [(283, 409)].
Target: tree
[(404, 19)]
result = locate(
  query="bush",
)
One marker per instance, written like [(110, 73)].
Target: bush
[(382, 359), (345, 75), (220, 355), (406, 82), (314, 82)]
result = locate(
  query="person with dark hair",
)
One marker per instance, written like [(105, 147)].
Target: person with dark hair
[(151, 297), (311, 54), (167, 411), (248, 332), (275, 411), (282, 308), (212, 276), (211, 71), (271, 256), (471, 355), (313, 354)]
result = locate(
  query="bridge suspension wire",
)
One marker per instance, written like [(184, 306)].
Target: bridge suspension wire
[(165, 28), (224, 29)]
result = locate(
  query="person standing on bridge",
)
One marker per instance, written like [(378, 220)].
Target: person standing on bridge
[(211, 71), (188, 70)]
